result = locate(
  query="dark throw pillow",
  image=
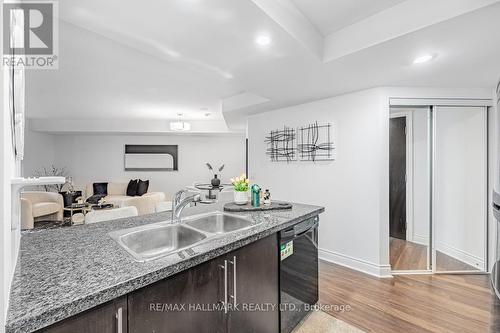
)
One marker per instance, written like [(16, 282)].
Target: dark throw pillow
[(94, 200), (142, 187), (132, 187), (100, 188)]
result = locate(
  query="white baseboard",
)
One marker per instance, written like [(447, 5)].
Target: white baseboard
[(420, 239), (461, 255), (381, 271)]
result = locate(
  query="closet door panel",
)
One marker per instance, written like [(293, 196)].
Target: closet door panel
[(460, 188)]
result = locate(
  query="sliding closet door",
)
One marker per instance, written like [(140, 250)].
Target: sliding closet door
[(459, 189), (410, 188)]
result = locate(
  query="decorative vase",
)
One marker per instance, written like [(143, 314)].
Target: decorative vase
[(215, 181), (240, 198)]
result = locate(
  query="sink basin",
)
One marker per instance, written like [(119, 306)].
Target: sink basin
[(157, 240), (218, 223)]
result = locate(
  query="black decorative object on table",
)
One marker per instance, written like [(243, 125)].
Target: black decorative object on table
[(102, 206), (70, 197), (281, 145), (215, 182), (94, 199), (315, 143)]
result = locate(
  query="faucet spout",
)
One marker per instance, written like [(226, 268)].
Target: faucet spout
[(178, 205)]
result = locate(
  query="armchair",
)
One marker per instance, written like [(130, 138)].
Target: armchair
[(35, 205)]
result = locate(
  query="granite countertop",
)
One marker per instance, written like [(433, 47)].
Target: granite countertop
[(62, 272)]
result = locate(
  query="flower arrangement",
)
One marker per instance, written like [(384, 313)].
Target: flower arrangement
[(240, 183)]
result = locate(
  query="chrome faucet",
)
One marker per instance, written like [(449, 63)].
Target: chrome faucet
[(178, 205)]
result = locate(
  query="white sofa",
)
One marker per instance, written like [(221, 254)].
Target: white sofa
[(117, 195), (40, 205)]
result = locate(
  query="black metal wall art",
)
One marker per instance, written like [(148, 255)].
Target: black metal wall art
[(281, 145), (315, 142)]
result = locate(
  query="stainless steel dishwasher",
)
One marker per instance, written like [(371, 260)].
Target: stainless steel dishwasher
[(298, 272)]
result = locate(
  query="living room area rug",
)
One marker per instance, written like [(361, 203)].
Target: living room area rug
[(321, 322)]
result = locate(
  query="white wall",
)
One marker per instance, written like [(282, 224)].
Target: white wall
[(91, 158), (9, 240), (39, 151), (353, 188)]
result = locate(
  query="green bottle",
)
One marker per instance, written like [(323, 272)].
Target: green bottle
[(255, 189)]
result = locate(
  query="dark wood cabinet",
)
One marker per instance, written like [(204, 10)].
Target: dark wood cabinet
[(110, 317), (247, 280), (193, 301), (182, 303), (257, 287)]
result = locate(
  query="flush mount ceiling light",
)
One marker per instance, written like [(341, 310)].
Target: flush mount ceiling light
[(263, 40), (180, 125), (423, 58)]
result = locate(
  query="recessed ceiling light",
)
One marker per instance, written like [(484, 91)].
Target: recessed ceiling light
[(180, 125), (423, 58), (263, 40)]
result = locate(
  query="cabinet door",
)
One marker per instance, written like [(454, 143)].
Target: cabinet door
[(182, 303), (257, 287), (107, 318)]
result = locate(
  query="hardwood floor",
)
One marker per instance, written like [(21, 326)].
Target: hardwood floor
[(411, 303), (406, 255), (446, 263)]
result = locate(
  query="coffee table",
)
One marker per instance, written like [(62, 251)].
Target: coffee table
[(84, 208)]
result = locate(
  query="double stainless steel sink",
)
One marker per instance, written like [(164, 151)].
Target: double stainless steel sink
[(156, 240)]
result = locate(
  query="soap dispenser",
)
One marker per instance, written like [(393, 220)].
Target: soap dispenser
[(255, 195)]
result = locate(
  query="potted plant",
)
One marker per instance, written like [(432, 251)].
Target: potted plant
[(240, 185), (215, 182)]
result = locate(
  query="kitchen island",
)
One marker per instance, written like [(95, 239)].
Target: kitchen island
[(65, 273)]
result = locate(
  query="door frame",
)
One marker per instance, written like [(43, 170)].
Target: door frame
[(408, 114), (401, 104)]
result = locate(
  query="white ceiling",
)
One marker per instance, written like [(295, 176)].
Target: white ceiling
[(331, 15), (122, 59)]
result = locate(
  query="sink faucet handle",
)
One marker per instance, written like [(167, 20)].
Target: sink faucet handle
[(178, 195), (178, 205), (177, 199)]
